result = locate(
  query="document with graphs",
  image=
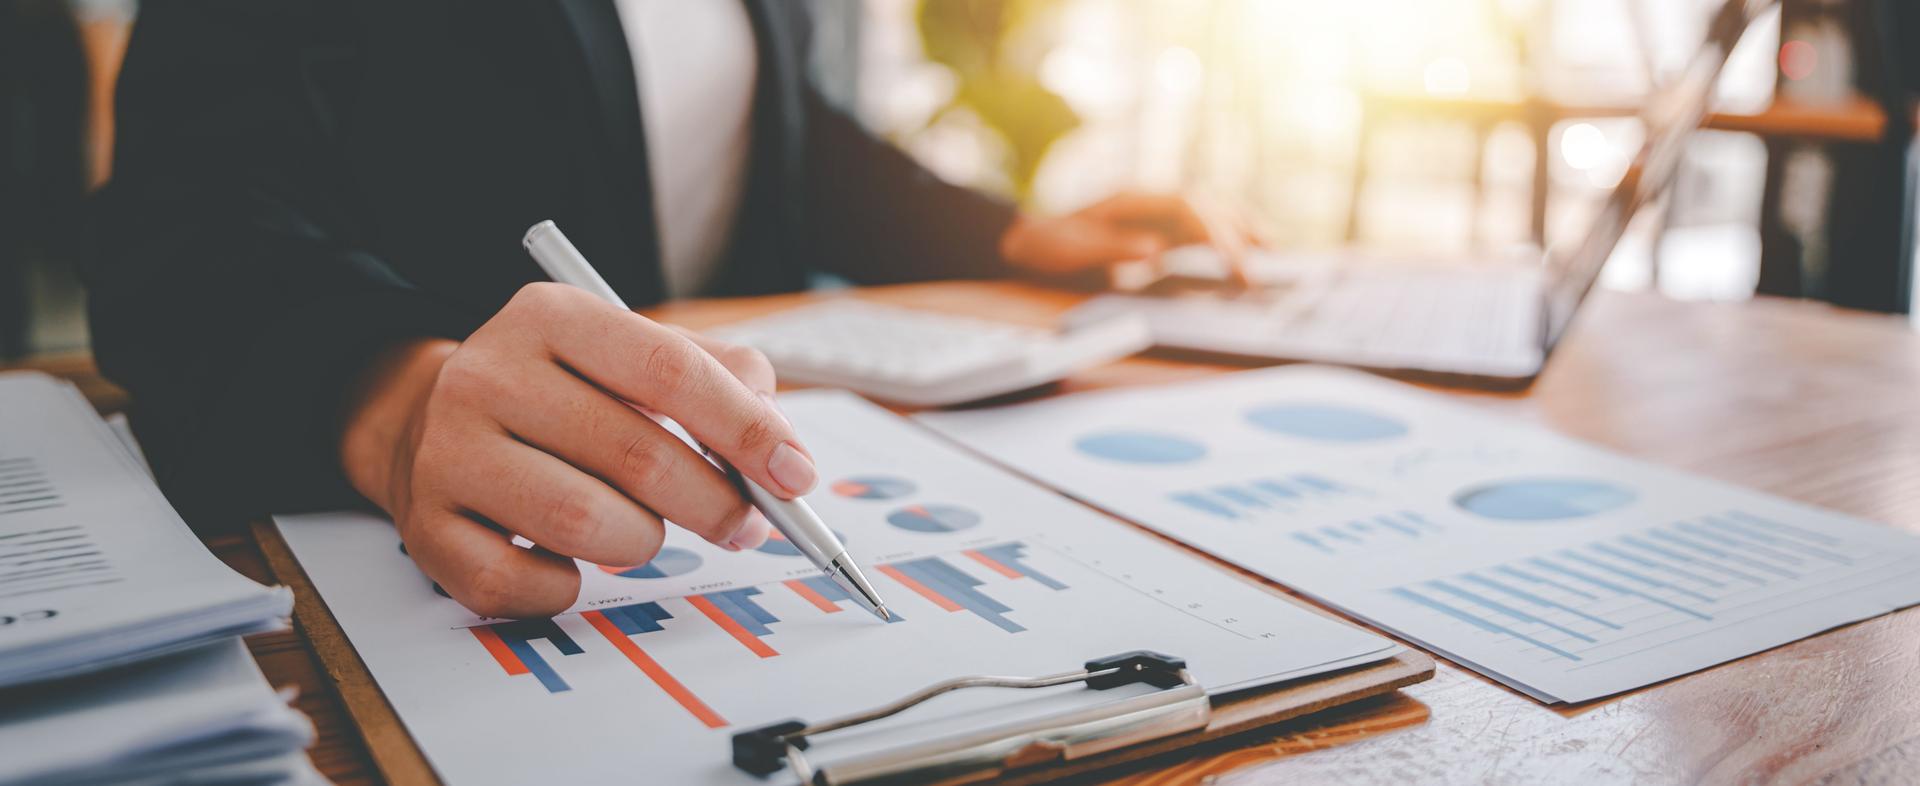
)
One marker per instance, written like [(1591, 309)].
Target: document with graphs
[(658, 665), (1564, 571)]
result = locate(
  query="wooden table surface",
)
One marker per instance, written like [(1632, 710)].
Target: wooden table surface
[(1798, 399)]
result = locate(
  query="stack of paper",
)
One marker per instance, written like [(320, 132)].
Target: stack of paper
[(1564, 571), (203, 716), (96, 569), (119, 652)]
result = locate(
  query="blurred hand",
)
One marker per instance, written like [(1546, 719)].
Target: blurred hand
[(1122, 228), (532, 427)]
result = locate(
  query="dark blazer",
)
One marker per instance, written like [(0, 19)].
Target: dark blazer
[(301, 183)]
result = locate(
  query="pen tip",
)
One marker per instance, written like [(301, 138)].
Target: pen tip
[(885, 615)]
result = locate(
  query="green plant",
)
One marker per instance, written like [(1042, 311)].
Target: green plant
[(995, 79)]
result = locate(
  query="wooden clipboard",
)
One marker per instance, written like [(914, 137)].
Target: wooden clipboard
[(401, 762)]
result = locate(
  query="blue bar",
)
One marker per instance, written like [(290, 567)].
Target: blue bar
[(739, 605), (518, 637), (1013, 555), (1358, 526), (1702, 532), (1743, 531), (527, 630), (1337, 534), (1617, 588), (826, 588), (637, 618), (957, 586), (1420, 520), (1277, 489), (834, 593), (1537, 600), (1518, 574), (1817, 537), (1390, 522), (1317, 483), (1203, 504), (537, 666), (1623, 556), (1478, 622), (1726, 555), (1506, 609), (1624, 573), (1241, 497), (1311, 541), (1678, 557)]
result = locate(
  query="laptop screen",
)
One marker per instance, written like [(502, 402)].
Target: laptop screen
[(1670, 114)]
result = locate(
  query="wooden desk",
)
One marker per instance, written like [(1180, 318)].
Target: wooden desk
[(1799, 399)]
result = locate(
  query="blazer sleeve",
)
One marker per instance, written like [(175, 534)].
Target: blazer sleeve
[(228, 294), (877, 216)]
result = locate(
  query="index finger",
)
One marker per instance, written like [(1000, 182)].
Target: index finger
[(1224, 237)]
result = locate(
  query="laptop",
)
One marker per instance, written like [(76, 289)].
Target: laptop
[(1491, 324)]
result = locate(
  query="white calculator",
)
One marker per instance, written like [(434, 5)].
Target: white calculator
[(924, 359)]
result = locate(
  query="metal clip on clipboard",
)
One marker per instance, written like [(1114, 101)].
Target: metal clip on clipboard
[(1179, 706)]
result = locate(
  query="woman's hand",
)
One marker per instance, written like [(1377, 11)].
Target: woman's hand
[(532, 427), (1122, 228)]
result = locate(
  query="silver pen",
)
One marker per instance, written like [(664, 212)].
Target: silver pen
[(793, 517)]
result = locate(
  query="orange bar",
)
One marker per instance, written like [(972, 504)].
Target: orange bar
[(728, 624), (660, 677), (994, 564), (920, 589), (498, 649), (818, 600)]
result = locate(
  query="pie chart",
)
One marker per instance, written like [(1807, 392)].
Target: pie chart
[(873, 487), (778, 545), (1543, 499), (1326, 422), (670, 561), (1140, 447), (933, 518)]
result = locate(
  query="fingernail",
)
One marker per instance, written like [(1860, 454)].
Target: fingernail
[(792, 469), (752, 533), (775, 404)]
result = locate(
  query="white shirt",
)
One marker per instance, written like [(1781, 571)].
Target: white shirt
[(695, 63)]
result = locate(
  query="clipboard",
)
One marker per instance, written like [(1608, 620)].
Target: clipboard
[(400, 760)]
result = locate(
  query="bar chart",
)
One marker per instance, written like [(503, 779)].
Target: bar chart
[(1264, 498), (1613, 598), (952, 589), (743, 617), (511, 645), (1368, 533)]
